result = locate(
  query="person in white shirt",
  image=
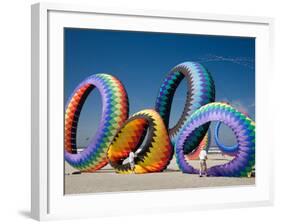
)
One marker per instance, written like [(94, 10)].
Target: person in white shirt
[(132, 156), (203, 164), (132, 161)]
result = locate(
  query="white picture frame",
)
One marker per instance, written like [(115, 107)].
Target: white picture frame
[(48, 200)]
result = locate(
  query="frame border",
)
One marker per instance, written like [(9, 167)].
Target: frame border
[(40, 86)]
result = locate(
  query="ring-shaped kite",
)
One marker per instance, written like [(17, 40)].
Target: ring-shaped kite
[(229, 150), (146, 129), (243, 128), (200, 91), (114, 113), (204, 145)]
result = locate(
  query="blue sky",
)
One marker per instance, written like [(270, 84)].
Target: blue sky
[(141, 60)]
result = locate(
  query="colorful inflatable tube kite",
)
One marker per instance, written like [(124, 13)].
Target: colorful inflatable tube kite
[(201, 90), (243, 128), (115, 111), (145, 128)]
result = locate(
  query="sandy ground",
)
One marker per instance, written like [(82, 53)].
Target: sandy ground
[(106, 180)]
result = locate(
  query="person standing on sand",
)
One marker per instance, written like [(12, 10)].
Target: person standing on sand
[(132, 161), (203, 164)]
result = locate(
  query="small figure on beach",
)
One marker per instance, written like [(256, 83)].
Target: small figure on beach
[(132, 161), (203, 163), (132, 156)]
